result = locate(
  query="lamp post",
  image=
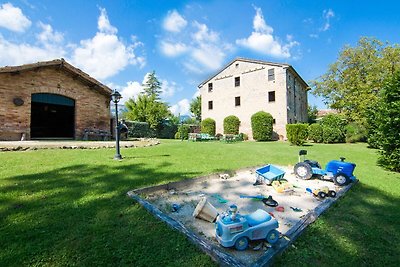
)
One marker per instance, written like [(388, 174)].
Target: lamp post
[(116, 97)]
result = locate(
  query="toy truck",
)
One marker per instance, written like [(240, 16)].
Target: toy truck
[(340, 172), (322, 192), (236, 230)]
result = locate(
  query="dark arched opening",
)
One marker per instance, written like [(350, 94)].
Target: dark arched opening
[(52, 116)]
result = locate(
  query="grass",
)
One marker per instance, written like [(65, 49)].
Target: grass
[(69, 207)]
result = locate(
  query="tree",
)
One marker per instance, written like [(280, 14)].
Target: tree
[(387, 121), (146, 108), (312, 114), (195, 108), (352, 83), (152, 86)]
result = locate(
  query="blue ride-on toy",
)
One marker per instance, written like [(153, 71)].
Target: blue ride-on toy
[(340, 172), (236, 230)]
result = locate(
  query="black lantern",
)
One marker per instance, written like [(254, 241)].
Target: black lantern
[(116, 97)]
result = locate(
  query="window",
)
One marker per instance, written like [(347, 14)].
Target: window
[(271, 96), (237, 81), (210, 105), (271, 75), (237, 65), (210, 87), (237, 101), (273, 121)]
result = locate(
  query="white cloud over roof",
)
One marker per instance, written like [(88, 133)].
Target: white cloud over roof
[(13, 19)]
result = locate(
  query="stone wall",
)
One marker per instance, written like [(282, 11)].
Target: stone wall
[(91, 105)]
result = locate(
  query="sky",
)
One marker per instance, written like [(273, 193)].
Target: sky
[(119, 42)]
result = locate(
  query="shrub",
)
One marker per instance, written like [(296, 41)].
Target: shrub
[(387, 119), (297, 133), (177, 135), (231, 125), (184, 131), (262, 126), (245, 136), (139, 129), (315, 133), (208, 126), (355, 133), (166, 130), (333, 126), (332, 135)]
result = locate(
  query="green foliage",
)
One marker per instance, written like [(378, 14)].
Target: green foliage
[(231, 125), (195, 108), (147, 109), (355, 133), (312, 114), (166, 130), (332, 135), (184, 131), (262, 126), (297, 133), (387, 119), (139, 129), (208, 126), (152, 86), (177, 135), (245, 137), (315, 133), (353, 82), (333, 128)]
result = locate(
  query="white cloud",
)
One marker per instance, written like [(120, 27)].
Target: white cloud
[(173, 50), (327, 15), (174, 22), (181, 108), (48, 35), (262, 40), (13, 19), (105, 54), (103, 23), (201, 47), (131, 90), (168, 88), (313, 35), (18, 54)]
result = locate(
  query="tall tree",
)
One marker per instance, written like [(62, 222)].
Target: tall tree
[(146, 108), (195, 108), (152, 86), (352, 83), (312, 113)]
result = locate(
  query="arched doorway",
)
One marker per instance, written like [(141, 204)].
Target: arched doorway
[(52, 116)]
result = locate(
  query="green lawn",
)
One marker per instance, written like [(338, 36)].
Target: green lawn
[(69, 207)]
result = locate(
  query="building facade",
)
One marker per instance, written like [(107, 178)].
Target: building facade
[(245, 86), (51, 99)]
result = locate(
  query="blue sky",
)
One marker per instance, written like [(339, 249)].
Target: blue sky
[(119, 42)]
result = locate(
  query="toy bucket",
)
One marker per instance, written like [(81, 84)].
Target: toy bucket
[(204, 210)]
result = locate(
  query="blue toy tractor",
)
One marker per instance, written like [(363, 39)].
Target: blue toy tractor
[(340, 172)]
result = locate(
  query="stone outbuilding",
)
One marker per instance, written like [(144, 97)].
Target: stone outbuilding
[(51, 100)]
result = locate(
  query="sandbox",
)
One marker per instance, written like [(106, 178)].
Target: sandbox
[(224, 189)]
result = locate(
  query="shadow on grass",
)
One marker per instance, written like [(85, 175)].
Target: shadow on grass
[(80, 215), (352, 233)]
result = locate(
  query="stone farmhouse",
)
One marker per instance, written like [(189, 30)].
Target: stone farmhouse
[(245, 86), (51, 99)]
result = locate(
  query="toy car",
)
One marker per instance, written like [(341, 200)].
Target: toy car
[(340, 172), (235, 230), (322, 192)]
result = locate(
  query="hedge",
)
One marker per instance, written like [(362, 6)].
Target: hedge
[(262, 126), (315, 133), (231, 125), (297, 133), (208, 126), (183, 131), (139, 129)]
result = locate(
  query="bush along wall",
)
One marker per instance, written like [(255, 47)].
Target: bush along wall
[(262, 126), (208, 126), (138, 129), (297, 133), (183, 131), (231, 125), (315, 133)]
